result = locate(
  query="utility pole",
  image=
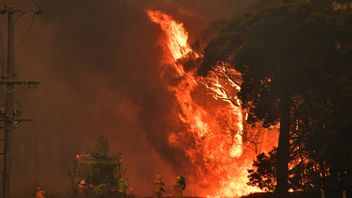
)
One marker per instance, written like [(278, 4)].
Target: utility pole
[(9, 114)]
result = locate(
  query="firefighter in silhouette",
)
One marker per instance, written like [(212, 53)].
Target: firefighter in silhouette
[(179, 187), (159, 186), (40, 193)]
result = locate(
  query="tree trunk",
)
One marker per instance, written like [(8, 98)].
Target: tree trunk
[(283, 151)]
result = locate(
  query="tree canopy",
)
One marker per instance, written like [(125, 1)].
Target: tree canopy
[(108, 174), (295, 60)]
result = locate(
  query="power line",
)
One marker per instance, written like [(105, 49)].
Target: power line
[(2, 55), (25, 35), (9, 115)]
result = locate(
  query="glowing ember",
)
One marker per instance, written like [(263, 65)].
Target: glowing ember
[(211, 114)]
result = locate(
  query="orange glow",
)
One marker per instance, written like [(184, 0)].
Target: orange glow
[(175, 32), (211, 114)]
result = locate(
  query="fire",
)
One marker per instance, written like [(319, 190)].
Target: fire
[(175, 32), (213, 135)]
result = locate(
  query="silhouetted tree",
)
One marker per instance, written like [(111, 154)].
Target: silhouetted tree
[(263, 174), (107, 171), (303, 174), (287, 54)]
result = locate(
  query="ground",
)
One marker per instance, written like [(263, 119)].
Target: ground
[(291, 195)]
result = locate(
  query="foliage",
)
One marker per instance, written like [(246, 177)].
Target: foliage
[(264, 174), (282, 51), (101, 190), (303, 173), (107, 171), (102, 148), (295, 58)]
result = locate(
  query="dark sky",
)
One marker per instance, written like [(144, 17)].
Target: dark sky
[(99, 65)]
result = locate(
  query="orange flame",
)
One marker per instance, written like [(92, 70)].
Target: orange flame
[(175, 33), (211, 114)]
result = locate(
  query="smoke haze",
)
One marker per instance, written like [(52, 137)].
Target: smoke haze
[(99, 65)]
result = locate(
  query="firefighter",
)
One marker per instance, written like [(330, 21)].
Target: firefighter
[(122, 186), (179, 187), (159, 186), (40, 193), (181, 181), (81, 189)]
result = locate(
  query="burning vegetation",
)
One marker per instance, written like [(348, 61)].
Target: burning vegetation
[(212, 116), (212, 130)]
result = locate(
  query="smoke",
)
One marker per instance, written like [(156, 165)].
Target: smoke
[(99, 65)]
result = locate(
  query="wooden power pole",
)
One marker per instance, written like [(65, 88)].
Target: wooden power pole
[(9, 115)]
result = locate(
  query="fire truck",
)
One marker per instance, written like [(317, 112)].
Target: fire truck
[(84, 167)]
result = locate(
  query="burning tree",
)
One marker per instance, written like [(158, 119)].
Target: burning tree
[(287, 53), (211, 130)]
